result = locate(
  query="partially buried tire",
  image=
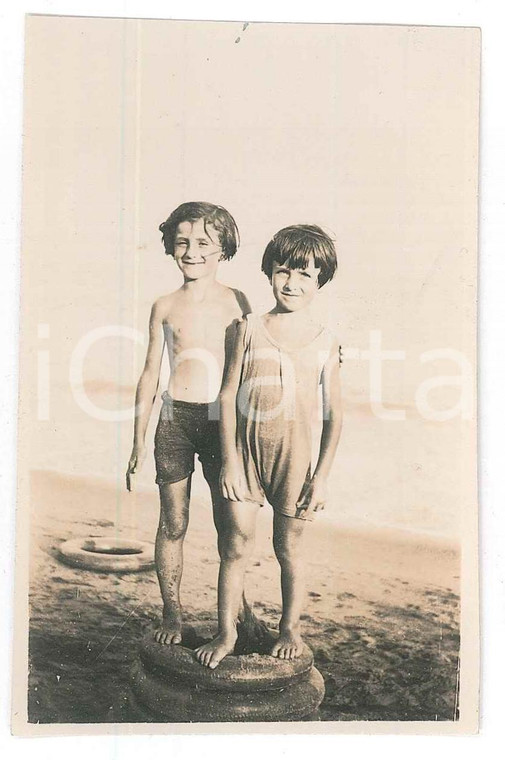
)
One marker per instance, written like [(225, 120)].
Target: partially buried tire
[(180, 702), (242, 673), (108, 555)]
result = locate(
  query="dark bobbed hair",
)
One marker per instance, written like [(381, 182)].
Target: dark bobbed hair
[(294, 247), (217, 216)]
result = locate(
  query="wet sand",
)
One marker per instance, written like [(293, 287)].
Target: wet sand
[(382, 612)]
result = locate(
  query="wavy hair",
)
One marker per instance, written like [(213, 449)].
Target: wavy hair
[(216, 216)]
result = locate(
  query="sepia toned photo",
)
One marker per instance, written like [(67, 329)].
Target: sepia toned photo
[(247, 475)]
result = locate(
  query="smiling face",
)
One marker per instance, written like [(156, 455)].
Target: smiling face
[(197, 250), (294, 289)]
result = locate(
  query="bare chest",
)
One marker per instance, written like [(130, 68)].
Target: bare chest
[(198, 326)]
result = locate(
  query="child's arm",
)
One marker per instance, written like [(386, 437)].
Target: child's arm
[(314, 495), (230, 478), (243, 302), (146, 393)]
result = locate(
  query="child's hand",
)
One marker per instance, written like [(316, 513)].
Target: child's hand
[(135, 465), (230, 483), (312, 498)]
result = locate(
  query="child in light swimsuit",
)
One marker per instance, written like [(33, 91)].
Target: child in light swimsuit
[(269, 400)]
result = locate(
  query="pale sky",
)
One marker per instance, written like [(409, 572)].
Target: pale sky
[(369, 131)]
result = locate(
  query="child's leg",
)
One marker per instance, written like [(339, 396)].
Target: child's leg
[(174, 513), (220, 512), (235, 544), (288, 547)]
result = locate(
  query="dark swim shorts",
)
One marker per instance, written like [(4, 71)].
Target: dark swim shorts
[(184, 429)]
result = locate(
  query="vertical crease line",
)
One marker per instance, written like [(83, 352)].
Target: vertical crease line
[(122, 143), (136, 216), (281, 369)]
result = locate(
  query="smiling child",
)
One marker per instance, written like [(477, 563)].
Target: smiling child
[(269, 399)]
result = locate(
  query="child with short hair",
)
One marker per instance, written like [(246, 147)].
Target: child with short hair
[(268, 402), (192, 322)]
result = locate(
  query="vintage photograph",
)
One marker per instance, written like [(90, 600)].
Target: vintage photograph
[(247, 466)]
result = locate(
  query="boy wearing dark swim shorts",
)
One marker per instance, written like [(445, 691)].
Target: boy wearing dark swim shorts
[(192, 322)]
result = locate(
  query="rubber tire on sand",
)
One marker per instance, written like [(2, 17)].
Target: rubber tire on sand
[(247, 672), (180, 702), (103, 554)]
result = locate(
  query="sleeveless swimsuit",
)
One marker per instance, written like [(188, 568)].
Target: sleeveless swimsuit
[(277, 404)]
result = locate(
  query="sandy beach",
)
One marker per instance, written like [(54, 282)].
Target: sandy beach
[(382, 612)]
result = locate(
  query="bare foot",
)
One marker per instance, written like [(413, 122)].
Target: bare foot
[(212, 653), (288, 646), (170, 630)]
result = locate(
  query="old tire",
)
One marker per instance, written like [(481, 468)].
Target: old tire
[(242, 673), (108, 555), (181, 703)]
